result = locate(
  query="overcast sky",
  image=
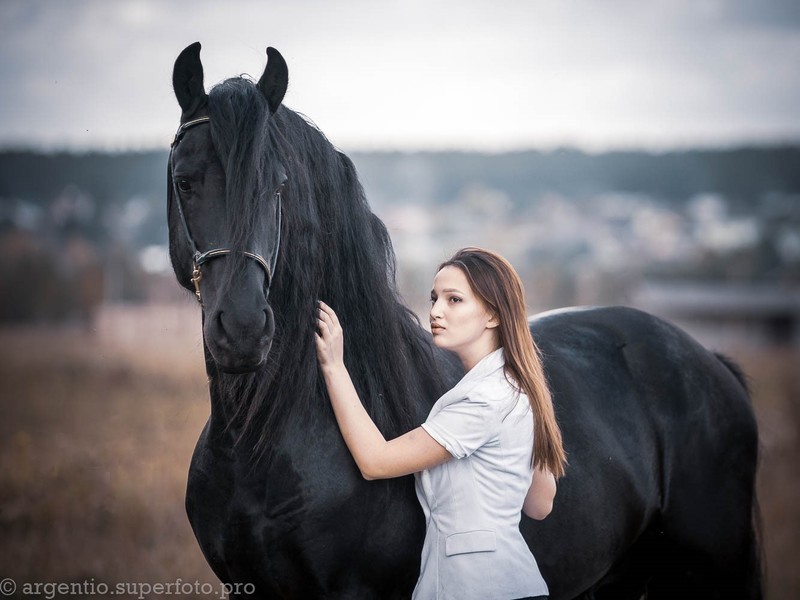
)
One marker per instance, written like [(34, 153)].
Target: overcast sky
[(415, 74)]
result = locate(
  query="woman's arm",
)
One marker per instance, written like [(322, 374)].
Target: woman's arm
[(539, 500), (376, 458)]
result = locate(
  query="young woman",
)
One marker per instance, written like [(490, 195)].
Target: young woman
[(497, 422)]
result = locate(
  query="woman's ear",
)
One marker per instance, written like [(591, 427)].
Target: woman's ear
[(494, 321)]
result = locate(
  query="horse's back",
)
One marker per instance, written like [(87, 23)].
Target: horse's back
[(662, 444)]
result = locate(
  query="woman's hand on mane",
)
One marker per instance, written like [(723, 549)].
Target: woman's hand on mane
[(376, 458)]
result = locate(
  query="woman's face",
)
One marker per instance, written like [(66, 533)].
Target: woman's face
[(460, 321)]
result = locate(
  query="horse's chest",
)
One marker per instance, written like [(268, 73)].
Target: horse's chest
[(287, 525)]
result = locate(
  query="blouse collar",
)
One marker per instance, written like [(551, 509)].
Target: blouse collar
[(488, 364)]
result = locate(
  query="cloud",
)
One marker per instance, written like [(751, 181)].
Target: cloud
[(415, 74)]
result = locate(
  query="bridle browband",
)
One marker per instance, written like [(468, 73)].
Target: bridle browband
[(200, 258)]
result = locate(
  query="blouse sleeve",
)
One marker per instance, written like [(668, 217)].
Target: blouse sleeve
[(465, 425)]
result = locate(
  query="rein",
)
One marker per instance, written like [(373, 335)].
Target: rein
[(200, 258)]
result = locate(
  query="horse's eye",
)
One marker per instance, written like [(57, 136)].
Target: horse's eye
[(184, 185)]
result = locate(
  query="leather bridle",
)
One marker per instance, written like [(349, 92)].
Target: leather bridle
[(200, 258)]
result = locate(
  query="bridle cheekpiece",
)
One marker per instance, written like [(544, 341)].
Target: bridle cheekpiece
[(200, 258)]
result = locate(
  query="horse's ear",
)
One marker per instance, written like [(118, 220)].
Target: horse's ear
[(187, 80), (275, 80)]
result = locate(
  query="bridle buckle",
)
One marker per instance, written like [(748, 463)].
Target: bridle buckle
[(197, 275)]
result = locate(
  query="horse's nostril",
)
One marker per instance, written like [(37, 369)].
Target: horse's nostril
[(258, 323), (224, 331)]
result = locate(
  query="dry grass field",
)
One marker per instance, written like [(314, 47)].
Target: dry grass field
[(97, 431), (96, 436)]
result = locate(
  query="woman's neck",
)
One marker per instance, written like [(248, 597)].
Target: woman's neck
[(481, 348)]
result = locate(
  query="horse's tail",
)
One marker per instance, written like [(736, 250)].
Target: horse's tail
[(759, 563), (736, 370)]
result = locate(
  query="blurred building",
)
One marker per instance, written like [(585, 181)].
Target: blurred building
[(727, 315)]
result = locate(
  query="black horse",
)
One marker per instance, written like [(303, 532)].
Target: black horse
[(266, 217)]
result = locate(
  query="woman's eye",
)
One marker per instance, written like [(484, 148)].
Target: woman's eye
[(184, 185), (454, 299)]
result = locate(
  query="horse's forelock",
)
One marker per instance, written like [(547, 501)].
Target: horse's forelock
[(239, 131)]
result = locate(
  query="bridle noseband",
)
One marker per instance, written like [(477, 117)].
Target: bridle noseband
[(200, 258)]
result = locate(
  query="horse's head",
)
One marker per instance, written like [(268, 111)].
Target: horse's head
[(224, 205)]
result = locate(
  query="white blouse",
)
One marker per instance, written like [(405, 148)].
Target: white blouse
[(473, 547)]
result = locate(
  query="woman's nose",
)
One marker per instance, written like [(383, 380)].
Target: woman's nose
[(436, 310)]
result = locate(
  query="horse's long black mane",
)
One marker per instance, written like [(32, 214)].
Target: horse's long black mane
[(334, 249)]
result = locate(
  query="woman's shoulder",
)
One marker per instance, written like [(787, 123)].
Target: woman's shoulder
[(495, 387)]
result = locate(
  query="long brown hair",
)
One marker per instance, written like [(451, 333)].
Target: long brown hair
[(495, 282)]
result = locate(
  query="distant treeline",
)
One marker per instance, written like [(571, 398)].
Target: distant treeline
[(38, 177), (740, 174)]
